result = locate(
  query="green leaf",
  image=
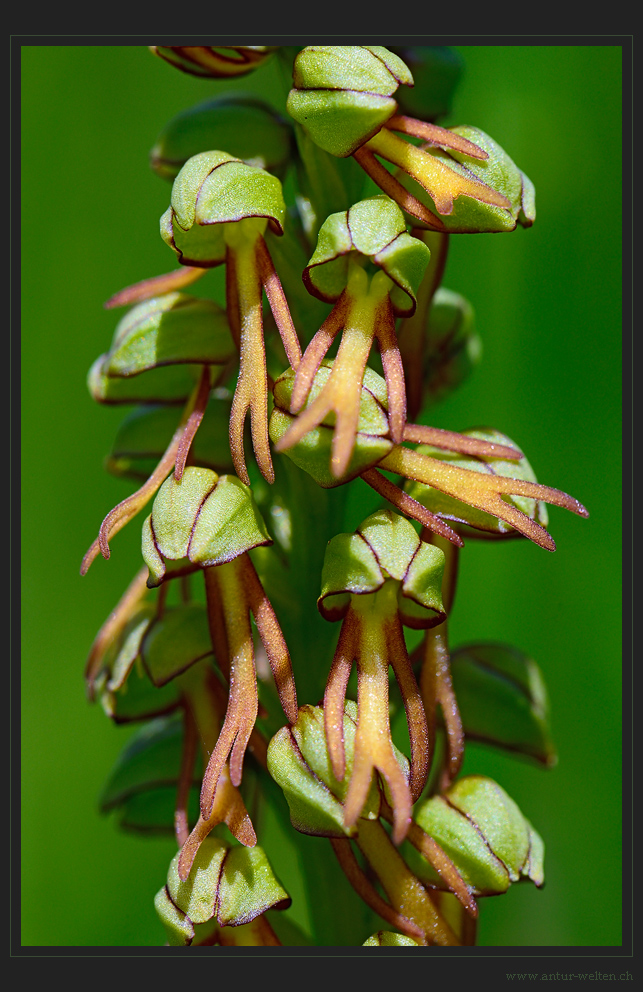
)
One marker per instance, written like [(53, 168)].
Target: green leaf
[(151, 759), (144, 435), (167, 384), (175, 641), (502, 699), (244, 125), (169, 330)]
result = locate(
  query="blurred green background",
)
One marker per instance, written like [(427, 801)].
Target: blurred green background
[(548, 309)]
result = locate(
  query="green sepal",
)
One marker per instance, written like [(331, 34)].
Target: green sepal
[(420, 596), (150, 761), (248, 128), (123, 687), (502, 699), (248, 887), (229, 524), (453, 346), (232, 884), (176, 640), (350, 568), (386, 938), (498, 171), (139, 699), (437, 70), (206, 518), (153, 811), (313, 452), (179, 930), (484, 833), (299, 763), (468, 517), (375, 227), (167, 384), (203, 247), (122, 652), (175, 509), (214, 189), (339, 121), (197, 895), (171, 329), (393, 541), (145, 433), (362, 68)]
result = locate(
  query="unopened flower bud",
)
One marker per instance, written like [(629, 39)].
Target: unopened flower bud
[(343, 94), (245, 126), (145, 433), (503, 700), (174, 329), (142, 785), (453, 346)]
